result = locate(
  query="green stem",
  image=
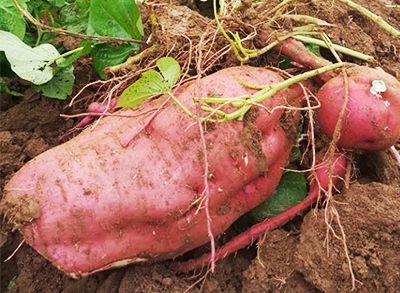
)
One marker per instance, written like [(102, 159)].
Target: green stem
[(338, 48), (329, 43), (238, 44), (372, 16), (280, 5), (69, 53), (38, 29), (266, 93), (306, 19), (57, 68), (252, 86), (212, 100), (245, 102), (279, 39), (212, 110), (221, 29), (184, 109), (308, 28), (49, 15), (277, 12)]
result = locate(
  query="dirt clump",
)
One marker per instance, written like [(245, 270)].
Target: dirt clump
[(272, 270), (371, 220)]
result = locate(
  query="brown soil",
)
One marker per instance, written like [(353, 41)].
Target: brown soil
[(288, 260)]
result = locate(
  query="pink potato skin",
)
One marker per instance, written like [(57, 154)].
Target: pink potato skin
[(369, 124), (103, 205)]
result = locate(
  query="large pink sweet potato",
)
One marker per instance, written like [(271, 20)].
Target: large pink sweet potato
[(93, 203)]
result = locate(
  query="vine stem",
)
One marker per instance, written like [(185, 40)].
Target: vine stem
[(338, 48), (271, 90), (37, 23), (372, 16), (184, 109), (69, 53), (245, 102)]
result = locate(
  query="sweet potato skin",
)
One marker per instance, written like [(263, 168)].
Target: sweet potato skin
[(371, 121), (96, 203)]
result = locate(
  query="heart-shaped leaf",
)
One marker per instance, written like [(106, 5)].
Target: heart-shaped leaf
[(32, 64), (151, 83)]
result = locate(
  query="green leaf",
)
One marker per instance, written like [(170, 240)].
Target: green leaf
[(75, 16), (60, 86), (291, 190), (315, 49), (284, 62), (32, 64), (170, 70), (104, 55), (107, 18), (116, 19), (82, 4), (150, 84), (11, 19)]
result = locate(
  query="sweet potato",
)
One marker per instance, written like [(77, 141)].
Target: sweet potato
[(372, 117), (117, 194)]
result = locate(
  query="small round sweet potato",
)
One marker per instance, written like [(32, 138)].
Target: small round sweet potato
[(371, 120)]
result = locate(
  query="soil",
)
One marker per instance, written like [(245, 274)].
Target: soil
[(295, 258)]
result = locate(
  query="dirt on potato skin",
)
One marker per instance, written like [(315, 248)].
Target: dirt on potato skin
[(288, 261)]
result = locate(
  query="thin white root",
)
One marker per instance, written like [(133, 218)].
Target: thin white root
[(206, 192), (259, 245), (395, 154), (15, 251)]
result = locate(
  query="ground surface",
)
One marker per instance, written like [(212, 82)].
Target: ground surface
[(287, 261)]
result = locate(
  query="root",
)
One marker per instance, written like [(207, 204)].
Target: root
[(206, 192), (206, 196), (202, 280), (331, 212), (15, 251), (395, 154), (259, 245)]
